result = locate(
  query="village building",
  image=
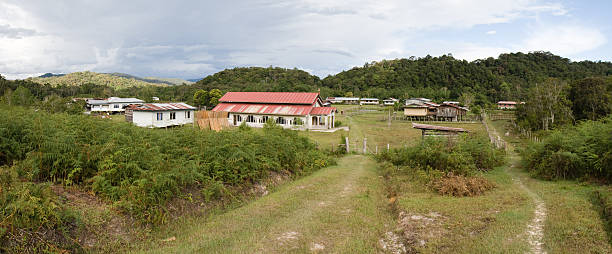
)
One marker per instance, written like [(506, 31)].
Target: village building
[(160, 115), (342, 100), (506, 105), (390, 101), (111, 105), (417, 101), (450, 112), (288, 110), (368, 101)]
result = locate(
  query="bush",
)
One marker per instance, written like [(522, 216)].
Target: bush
[(462, 156), (583, 151), (461, 186), (337, 123), (141, 169)]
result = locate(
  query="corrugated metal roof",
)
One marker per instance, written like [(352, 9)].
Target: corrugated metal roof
[(114, 100), (268, 109), (162, 107), (506, 102), (438, 128), (322, 110), (270, 97)]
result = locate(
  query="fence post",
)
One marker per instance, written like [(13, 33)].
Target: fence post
[(376, 149), (365, 140), (387, 147), (348, 150)]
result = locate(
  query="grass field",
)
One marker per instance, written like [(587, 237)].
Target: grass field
[(339, 209), (573, 223), (378, 131)]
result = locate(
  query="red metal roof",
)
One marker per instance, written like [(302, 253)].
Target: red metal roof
[(437, 128), (269, 109), (322, 110), (161, 107), (270, 97)]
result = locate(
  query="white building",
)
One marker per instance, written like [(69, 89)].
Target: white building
[(157, 115), (390, 101), (342, 100), (288, 110), (111, 105), (368, 101)]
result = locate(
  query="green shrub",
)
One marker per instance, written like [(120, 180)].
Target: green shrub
[(583, 151), (141, 169), (462, 156)]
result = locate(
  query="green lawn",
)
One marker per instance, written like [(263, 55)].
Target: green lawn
[(379, 132)]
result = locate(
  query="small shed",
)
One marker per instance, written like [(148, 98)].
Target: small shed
[(434, 130), (451, 112)]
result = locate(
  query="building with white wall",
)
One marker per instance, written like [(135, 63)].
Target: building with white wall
[(368, 101), (159, 115), (288, 110), (111, 105)]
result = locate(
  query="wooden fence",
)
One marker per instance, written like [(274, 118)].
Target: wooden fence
[(212, 120)]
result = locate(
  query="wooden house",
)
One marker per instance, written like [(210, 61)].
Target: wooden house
[(506, 105), (450, 112)]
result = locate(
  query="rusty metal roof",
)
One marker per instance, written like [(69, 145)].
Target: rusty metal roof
[(270, 97), (162, 107), (437, 128)]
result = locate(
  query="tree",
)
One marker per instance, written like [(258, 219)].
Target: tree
[(348, 94), (547, 105), (214, 95), (466, 99), (200, 98), (22, 96), (590, 99)]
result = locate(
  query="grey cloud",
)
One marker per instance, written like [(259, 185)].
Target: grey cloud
[(14, 32)]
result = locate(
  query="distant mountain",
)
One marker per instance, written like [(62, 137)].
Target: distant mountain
[(80, 78), (194, 79), (167, 81), (49, 74)]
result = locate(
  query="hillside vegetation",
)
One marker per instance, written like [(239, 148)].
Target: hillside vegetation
[(138, 170), (88, 77)]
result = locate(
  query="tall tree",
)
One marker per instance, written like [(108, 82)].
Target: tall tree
[(200, 98), (214, 95), (590, 99), (547, 105)]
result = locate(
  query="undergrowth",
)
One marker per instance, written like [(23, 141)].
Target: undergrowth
[(138, 170), (583, 151), (448, 166)]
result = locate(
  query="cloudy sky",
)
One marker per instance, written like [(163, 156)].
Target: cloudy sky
[(192, 39)]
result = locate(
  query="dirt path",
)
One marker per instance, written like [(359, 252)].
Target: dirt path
[(337, 209), (535, 229)]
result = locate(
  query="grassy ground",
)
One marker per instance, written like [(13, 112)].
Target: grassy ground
[(378, 131), (573, 224), (491, 223), (339, 209)]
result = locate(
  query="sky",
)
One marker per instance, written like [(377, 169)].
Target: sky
[(193, 39)]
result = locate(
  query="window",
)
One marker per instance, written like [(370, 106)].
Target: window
[(172, 115), (187, 114), (116, 106), (250, 119), (297, 121), (264, 119), (160, 116), (280, 120)]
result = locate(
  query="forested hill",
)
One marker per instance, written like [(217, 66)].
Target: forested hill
[(87, 77), (261, 79), (506, 77)]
